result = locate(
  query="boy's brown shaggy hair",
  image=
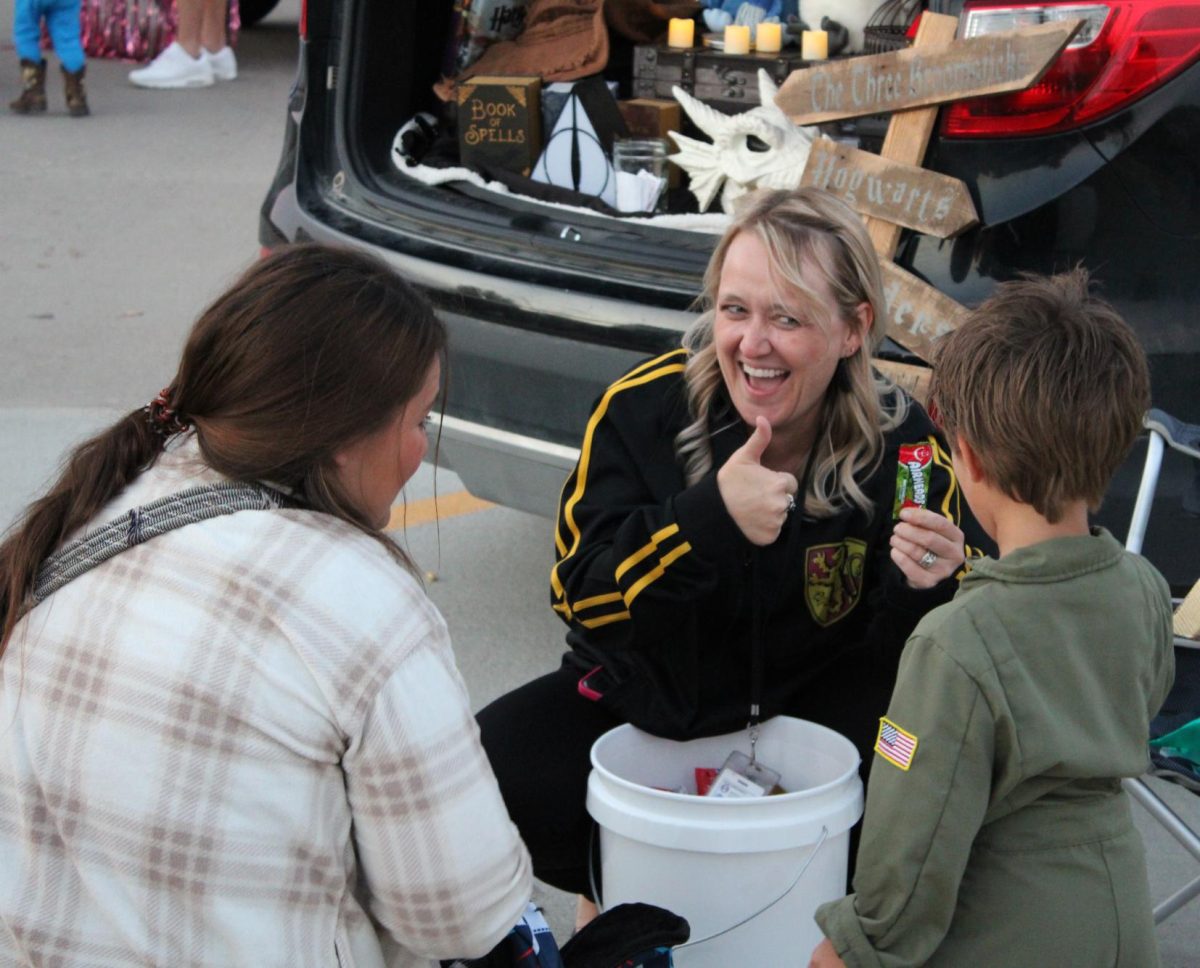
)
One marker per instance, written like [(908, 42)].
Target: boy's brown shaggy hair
[(1048, 385)]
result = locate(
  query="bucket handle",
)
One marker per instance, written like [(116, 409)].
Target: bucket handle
[(746, 920), (766, 907)]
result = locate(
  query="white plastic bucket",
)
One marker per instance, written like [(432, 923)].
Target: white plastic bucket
[(719, 862)]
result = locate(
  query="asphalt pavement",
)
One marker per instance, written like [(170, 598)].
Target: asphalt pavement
[(116, 229)]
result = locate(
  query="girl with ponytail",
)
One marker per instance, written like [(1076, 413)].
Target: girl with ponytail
[(231, 729)]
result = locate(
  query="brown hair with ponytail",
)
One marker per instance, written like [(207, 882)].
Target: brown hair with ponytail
[(311, 349)]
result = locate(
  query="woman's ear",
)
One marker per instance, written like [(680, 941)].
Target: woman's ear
[(864, 317), (347, 455)]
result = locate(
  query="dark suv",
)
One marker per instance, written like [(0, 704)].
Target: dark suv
[(1098, 164)]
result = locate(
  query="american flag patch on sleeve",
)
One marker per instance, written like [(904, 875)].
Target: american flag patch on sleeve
[(894, 744)]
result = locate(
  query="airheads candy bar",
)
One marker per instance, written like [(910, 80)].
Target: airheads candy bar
[(912, 477)]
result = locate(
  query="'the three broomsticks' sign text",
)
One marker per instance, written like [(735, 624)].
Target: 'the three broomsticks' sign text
[(911, 78), (888, 189)]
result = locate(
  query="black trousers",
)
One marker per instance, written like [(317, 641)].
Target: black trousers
[(538, 738)]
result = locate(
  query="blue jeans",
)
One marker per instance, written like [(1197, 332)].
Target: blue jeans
[(62, 22)]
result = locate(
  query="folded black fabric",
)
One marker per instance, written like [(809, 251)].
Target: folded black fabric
[(520, 185), (622, 933)]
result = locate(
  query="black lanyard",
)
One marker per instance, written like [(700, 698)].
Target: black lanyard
[(759, 604)]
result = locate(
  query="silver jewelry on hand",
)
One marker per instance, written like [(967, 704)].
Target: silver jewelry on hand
[(791, 506), (928, 559)]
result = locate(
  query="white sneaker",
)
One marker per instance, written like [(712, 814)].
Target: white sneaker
[(174, 67), (224, 64)]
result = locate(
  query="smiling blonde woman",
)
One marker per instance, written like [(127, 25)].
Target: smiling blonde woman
[(733, 504)]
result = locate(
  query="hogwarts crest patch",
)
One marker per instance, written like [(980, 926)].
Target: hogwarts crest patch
[(833, 579)]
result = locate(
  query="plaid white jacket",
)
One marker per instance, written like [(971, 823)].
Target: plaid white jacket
[(245, 743)]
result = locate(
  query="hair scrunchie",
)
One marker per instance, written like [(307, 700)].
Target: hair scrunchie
[(162, 416)]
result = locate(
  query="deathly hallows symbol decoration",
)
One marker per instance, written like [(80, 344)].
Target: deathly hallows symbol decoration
[(576, 155)]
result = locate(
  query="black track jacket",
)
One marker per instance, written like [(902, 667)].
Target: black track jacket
[(658, 585)]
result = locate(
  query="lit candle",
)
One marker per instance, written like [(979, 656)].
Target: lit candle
[(814, 45), (737, 39), (768, 38), (681, 32)]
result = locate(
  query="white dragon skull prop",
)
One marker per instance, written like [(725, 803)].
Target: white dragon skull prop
[(730, 159)]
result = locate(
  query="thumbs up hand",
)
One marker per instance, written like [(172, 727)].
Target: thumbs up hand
[(756, 497)]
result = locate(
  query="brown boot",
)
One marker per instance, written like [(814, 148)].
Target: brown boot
[(76, 96), (33, 93)]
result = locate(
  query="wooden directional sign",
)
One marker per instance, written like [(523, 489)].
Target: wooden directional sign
[(913, 379), (917, 313), (909, 132), (911, 78), (906, 195)]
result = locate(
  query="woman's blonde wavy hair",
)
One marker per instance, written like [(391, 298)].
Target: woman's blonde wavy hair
[(805, 230)]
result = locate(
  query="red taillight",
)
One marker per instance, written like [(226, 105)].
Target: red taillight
[(304, 19), (1125, 51)]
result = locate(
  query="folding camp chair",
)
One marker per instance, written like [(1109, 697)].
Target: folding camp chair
[(1166, 431)]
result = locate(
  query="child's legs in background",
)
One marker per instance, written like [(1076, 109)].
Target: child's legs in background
[(27, 30), (62, 21)]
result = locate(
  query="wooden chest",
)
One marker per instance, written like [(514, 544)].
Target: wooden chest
[(728, 82)]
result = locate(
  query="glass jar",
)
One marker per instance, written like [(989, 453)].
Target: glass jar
[(640, 165)]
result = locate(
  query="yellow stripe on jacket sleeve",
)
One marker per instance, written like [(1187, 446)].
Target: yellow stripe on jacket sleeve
[(645, 551), (655, 573), (596, 601), (595, 623), (654, 545), (652, 364), (951, 506), (650, 372), (971, 554), (560, 546)]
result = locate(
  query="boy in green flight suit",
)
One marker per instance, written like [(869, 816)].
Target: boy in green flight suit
[(997, 833)]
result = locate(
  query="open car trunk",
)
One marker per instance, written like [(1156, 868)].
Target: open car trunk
[(395, 54), (546, 304)]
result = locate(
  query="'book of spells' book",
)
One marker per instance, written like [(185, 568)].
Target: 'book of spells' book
[(500, 122)]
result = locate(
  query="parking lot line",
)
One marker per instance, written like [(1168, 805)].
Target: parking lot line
[(428, 509)]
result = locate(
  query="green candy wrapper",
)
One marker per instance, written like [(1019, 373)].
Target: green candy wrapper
[(912, 477)]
